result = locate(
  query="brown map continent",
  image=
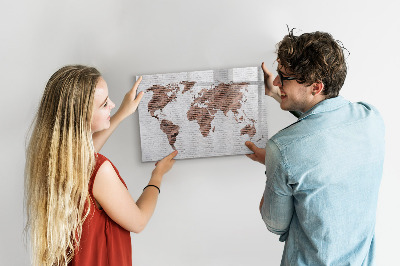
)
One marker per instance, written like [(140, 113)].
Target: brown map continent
[(203, 118), (171, 130), (249, 130), (162, 95), (188, 85), (225, 97)]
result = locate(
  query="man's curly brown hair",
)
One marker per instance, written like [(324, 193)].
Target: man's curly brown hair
[(314, 57)]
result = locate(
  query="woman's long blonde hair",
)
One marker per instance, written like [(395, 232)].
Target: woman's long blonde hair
[(60, 158)]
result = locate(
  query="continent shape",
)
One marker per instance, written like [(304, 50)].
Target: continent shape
[(222, 97)]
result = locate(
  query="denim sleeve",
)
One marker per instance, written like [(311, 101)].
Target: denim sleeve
[(277, 209)]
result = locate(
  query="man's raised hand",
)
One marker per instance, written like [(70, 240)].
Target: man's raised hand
[(270, 89)]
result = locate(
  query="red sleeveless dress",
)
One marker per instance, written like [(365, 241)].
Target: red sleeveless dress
[(103, 241)]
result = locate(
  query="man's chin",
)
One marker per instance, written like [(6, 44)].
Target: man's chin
[(284, 107)]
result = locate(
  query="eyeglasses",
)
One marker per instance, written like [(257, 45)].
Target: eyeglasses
[(282, 78)]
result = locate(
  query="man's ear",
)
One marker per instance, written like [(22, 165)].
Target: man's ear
[(317, 88)]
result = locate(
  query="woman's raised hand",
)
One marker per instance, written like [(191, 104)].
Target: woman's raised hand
[(131, 101)]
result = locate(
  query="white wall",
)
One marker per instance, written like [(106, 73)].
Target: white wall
[(208, 208)]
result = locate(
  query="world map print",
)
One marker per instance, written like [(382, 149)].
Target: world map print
[(202, 113)]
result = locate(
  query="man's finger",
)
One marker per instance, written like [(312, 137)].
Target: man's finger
[(251, 146), (265, 69)]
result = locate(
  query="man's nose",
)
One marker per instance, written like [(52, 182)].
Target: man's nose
[(277, 81)]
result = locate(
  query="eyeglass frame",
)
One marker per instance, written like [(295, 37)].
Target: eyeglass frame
[(282, 78)]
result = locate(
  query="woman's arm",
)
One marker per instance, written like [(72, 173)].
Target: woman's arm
[(128, 107), (116, 201)]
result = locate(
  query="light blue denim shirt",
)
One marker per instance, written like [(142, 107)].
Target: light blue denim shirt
[(323, 176)]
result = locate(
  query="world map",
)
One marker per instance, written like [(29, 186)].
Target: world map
[(193, 111)]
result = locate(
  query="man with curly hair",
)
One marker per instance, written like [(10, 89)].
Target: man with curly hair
[(323, 171)]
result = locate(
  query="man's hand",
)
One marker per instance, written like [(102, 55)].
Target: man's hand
[(270, 89), (258, 155)]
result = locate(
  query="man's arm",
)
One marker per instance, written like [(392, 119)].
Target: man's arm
[(128, 107), (276, 206), (261, 203), (272, 90), (276, 211)]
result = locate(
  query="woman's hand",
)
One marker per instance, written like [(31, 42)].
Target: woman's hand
[(270, 89), (128, 107), (131, 101), (164, 165)]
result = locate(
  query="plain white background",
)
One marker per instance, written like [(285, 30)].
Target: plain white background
[(208, 208)]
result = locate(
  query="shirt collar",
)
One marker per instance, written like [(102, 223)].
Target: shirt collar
[(325, 106)]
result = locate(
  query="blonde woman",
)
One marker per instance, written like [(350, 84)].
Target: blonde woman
[(78, 207)]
